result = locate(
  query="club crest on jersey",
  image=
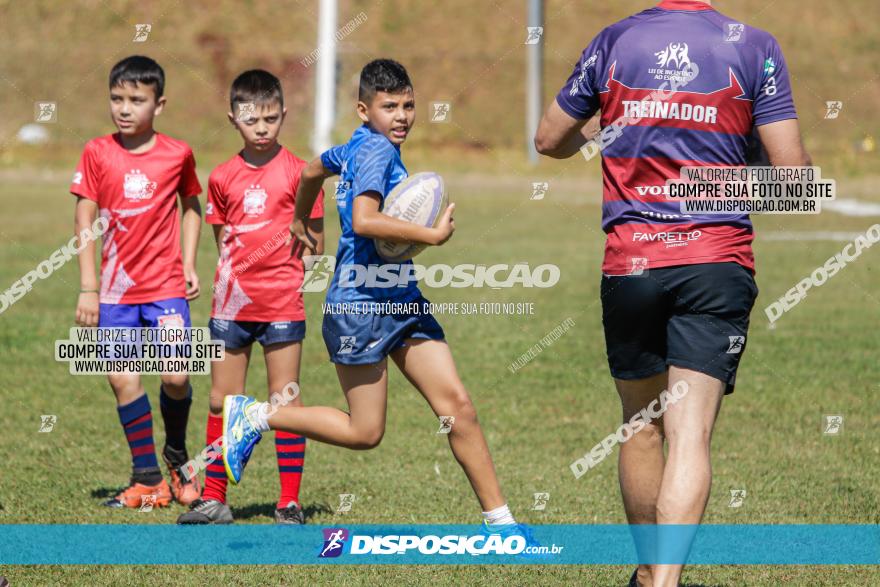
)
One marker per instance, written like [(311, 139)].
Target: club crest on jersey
[(137, 186), (255, 200), (677, 52)]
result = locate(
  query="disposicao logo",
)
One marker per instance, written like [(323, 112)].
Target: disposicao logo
[(334, 540)]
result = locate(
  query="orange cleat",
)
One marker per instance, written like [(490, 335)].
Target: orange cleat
[(185, 492), (143, 497)]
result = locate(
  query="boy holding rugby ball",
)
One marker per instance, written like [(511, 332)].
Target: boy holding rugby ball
[(359, 342)]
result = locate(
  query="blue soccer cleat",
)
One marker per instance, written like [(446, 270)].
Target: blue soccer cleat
[(506, 530), (240, 434)]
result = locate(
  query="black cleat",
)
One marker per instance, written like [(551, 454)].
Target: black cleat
[(206, 511), (291, 514)]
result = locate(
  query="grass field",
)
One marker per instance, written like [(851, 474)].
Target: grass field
[(820, 359)]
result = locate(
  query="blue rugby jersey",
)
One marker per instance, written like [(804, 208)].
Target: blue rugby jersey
[(367, 162), (741, 82)]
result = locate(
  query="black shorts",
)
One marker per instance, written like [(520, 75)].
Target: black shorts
[(690, 316)]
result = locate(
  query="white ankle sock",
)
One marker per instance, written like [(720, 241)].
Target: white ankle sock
[(259, 415), (500, 515)]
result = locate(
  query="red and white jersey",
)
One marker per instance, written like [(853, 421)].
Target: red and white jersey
[(137, 193), (258, 276)]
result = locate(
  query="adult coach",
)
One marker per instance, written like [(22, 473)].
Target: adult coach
[(677, 289)]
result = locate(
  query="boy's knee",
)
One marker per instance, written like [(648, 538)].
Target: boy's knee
[(462, 407), (690, 438), (215, 407), (369, 439), (125, 386), (215, 401), (653, 432)]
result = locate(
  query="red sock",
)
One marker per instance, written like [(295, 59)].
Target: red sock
[(215, 475), (291, 451)]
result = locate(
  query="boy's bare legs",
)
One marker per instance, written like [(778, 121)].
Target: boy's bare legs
[(687, 477), (366, 390), (640, 463), (282, 367), (126, 387), (429, 366), (228, 377)]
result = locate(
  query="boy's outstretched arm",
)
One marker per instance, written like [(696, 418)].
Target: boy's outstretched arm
[(306, 230), (88, 305), (369, 222), (192, 227)]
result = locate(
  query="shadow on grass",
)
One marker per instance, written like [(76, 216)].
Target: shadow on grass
[(268, 510), (106, 492)]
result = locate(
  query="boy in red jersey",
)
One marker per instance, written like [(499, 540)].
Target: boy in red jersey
[(256, 297), (132, 179)]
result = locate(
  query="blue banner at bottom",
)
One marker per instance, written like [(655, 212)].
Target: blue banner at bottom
[(116, 544)]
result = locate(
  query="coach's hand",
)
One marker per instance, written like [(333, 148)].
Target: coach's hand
[(192, 283), (88, 308), (446, 226), (303, 242)]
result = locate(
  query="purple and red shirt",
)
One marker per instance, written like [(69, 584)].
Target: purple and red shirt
[(741, 81)]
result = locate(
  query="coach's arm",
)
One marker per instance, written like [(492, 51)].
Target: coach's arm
[(782, 140), (560, 136)]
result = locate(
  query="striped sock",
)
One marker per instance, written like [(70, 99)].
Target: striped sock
[(137, 421), (291, 452), (175, 413), (215, 474)]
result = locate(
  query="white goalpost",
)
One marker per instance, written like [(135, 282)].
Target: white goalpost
[(325, 78)]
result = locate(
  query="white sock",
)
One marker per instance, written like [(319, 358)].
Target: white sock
[(259, 416), (500, 515)]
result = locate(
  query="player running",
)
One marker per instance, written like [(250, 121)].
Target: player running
[(256, 298), (359, 343), (133, 179), (676, 290)]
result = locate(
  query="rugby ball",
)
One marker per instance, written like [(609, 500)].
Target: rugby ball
[(420, 198)]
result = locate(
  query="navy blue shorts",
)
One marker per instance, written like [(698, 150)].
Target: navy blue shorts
[(238, 334), (367, 337), (690, 316)]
